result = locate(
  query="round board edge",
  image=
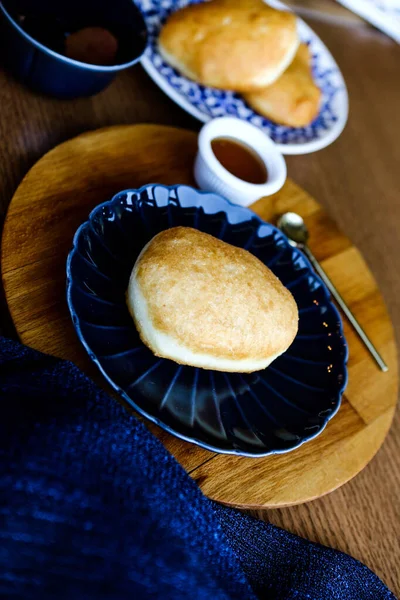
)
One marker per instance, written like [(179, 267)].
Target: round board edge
[(196, 472)]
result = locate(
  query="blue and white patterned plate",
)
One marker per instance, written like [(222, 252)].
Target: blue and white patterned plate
[(248, 414), (207, 103)]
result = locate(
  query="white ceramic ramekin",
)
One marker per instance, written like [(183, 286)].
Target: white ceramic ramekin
[(211, 176)]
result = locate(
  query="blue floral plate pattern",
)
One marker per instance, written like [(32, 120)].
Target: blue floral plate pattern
[(255, 414), (207, 103)]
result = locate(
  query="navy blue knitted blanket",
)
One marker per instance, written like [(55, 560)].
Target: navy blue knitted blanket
[(92, 506)]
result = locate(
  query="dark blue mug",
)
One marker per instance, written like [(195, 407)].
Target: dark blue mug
[(38, 61)]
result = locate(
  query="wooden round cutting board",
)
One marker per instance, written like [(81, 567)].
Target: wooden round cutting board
[(57, 195)]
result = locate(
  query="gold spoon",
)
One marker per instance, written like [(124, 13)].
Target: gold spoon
[(293, 226)]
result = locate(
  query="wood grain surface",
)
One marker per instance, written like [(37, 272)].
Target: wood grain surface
[(326, 10), (357, 179), (59, 192)]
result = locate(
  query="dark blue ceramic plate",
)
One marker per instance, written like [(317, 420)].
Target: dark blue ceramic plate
[(255, 414)]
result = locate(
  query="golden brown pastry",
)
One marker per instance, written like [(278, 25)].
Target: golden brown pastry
[(202, 302), (294, 98), (235, 45)]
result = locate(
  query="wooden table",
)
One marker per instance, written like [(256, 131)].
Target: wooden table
[(357, 179)]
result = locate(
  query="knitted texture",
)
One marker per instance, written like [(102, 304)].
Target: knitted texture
[(92, 506)]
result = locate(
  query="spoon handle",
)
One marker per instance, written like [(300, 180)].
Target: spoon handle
[(374, 352)]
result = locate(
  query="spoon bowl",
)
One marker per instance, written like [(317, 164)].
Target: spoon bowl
[(294, 228)]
